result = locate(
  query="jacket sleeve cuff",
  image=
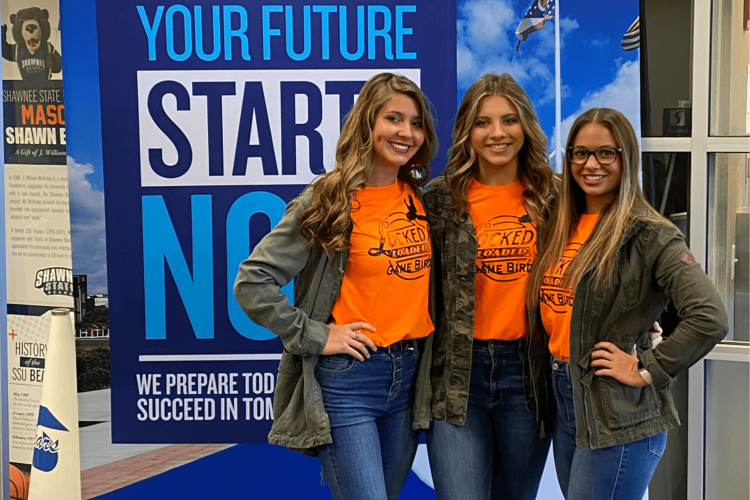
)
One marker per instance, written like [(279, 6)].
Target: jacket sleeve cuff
[(660, 378), (315, 339)]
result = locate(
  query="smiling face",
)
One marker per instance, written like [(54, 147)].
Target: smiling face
[(396, 136), (600, 183), (496, 137), (32, 33)]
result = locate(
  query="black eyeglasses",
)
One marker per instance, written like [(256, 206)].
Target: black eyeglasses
[(605, 155)]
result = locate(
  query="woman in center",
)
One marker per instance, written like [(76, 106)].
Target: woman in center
[(487, 438)]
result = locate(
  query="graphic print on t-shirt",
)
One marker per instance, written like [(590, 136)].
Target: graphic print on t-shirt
[(555, 298), (506, 247), (386, 279), (405, 242), (553, 293)]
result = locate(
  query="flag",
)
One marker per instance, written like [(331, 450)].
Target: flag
[(539, 12), (632, 38)]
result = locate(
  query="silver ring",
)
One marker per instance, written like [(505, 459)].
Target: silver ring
[(357, 337), (351, 325)]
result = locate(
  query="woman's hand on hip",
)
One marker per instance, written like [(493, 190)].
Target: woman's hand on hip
[(349, 339), (615, 363)]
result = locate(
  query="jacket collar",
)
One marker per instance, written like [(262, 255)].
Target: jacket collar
[(634, 228)]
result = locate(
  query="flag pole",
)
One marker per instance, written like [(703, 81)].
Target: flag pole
[(558, 99)]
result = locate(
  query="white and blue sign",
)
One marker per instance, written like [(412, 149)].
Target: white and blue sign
[(45, 448), (215, 115)]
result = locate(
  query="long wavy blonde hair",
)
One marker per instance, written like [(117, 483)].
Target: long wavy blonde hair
[(328, 218), (533, 163), (601, 250)]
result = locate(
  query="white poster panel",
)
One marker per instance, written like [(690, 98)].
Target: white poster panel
[(37, 219), (27, 350), (38, 235)]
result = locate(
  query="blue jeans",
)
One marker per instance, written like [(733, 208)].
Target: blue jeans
[(619, 472), (369, 406), (497, 453)]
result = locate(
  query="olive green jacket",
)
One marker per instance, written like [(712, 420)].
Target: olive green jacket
[(300, 420), (655, 267), (455, 251)]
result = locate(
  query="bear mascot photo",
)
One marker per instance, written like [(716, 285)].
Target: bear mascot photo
[(37, 59)]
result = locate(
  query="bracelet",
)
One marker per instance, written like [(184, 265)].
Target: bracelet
[(646, 376)]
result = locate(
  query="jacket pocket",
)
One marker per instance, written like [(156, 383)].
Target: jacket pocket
[(624, 405), (287, 385), (631, 291)]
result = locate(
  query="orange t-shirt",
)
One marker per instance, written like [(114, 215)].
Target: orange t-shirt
[(387, 276), (506, 249), (556, 300)]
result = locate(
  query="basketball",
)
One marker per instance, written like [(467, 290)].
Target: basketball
[(19, 485)]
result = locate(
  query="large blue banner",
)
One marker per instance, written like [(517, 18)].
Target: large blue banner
[(214, 117)]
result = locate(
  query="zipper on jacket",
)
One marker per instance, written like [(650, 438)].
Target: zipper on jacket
[(585, 416), (317, 281), (583, 388)]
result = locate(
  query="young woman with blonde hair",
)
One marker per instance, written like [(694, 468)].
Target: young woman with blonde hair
[(357, 238), (486, 440), (608, 267)]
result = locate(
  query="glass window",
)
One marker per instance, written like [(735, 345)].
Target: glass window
[(670, 478), (730, 69), (727, 430), (666, 33), (666, 184), (729, 237)]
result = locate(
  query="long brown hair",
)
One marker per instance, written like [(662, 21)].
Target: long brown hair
[(328, 218), (602, 247), (533, 162)]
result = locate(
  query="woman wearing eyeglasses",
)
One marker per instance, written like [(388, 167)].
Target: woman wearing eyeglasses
[(609, 265)]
